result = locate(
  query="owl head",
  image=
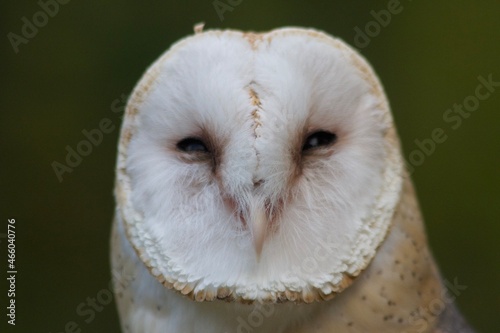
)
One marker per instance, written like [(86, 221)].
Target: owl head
[(257, 167)]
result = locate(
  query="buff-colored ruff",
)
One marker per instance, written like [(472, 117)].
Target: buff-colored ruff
[(368, 239)]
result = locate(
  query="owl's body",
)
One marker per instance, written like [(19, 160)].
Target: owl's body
[(260, 188)]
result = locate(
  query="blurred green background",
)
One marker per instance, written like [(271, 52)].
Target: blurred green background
[(64, 79)]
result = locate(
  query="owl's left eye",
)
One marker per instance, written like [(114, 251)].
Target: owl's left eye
[(319, 139), (191, 145)]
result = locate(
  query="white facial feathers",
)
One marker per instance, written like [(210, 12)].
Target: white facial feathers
[(200, 218)]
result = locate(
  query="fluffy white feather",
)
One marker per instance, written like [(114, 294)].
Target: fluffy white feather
[(257, 101)]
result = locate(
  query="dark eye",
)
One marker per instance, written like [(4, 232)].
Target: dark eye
[(319, 139), (189, 145)]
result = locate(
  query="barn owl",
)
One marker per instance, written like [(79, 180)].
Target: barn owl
[(261, 188)]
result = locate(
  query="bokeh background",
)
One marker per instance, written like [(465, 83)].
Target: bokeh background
[(64, 79)]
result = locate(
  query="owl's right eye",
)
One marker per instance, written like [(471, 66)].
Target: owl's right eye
[(192, 145)]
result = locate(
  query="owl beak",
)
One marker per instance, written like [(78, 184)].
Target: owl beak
[(258, 228)]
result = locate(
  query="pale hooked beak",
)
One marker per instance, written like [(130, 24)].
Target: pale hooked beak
[(258, 226)]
